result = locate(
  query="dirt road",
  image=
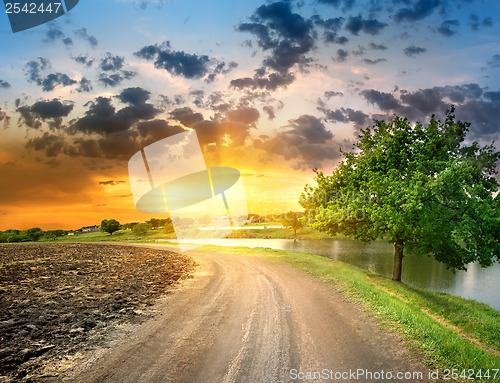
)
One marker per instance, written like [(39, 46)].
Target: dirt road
[(245, 319)]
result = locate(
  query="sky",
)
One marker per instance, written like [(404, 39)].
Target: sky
[(274, 89)]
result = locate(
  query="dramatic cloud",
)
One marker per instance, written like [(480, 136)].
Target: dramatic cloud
[(52, 144), (49, 82), (271, 82), (85, 85), (32, 116), (5, 118), (54, 33), (102, 117), (111, 63), (84, 60), (356, 24), (180, 63), (157, 129), (331, 28), (288, 37), (233, 126), (342, 55), (473, 104), (329, 94), (82, 33), (381, 47), (475, 22), (446, 28), (495, 61), (373, 62), (4, 84), (418, 10), (412, 50), (306, 141), (115, 79), (344, 115), (346, 4)]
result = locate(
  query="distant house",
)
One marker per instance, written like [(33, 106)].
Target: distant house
[(90, 229)]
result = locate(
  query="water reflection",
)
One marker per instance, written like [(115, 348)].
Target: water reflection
[(477, 283)]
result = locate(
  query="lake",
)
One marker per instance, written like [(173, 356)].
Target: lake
[(476, 283)]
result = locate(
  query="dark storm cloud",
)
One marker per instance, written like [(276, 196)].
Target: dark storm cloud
[(179, 63), (287, 37), (157, 129), (473, 104), (447, 27), (52, 110), (346, 4), (271, 82), (342, 55), (52, 144), (306, 141), (475, 22), (344, 115), (234, 123), (33, 68), (269, 110), (331, 28), (115, 79), (102, 117), (82, 33), (84, 60), (52, 80), (49, 82), (356, 24), (495, 61), (5, 118), (4, 84), (85, 85), (186, 116), (55, 33), (381, 47), (413, 50), (417, 10), (373, 62), (111, 63), (330, 94)]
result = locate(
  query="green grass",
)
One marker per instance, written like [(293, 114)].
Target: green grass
[(422, 317)]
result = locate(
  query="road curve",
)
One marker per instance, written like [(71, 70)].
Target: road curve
[(245, 319)]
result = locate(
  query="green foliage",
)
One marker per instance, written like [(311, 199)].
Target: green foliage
[(110, 226), (141, 228), (34, 234), (292, 220), (419, 186)]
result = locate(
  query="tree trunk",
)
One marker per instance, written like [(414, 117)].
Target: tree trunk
[(398, 260)]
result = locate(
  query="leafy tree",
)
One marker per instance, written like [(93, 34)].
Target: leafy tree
[(34, 234), (110, 226), (419, 186), (141, 228), (292, 220)]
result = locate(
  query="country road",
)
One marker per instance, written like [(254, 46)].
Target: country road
[(247, 319)]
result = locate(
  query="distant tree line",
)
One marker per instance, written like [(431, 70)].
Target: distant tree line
[(31, 235)]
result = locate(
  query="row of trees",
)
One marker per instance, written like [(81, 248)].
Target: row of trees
[(31, 235)]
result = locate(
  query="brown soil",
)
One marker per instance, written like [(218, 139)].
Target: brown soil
[(57, 298)]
